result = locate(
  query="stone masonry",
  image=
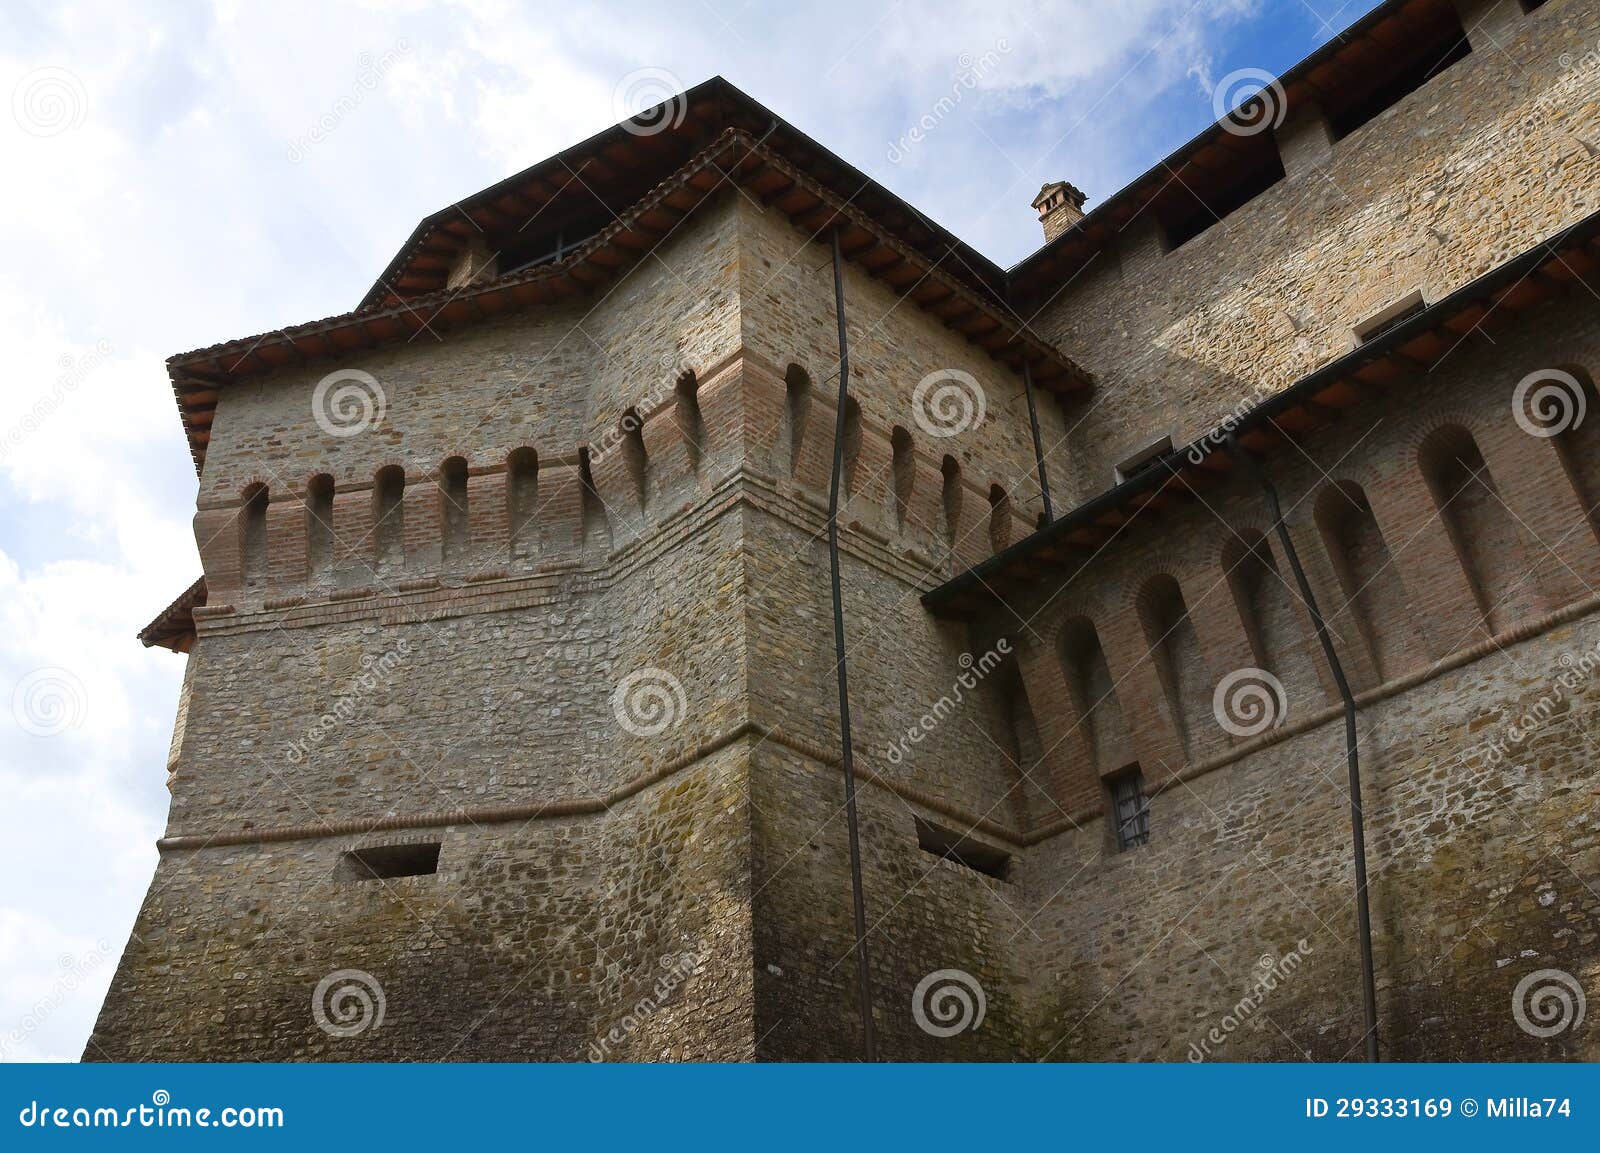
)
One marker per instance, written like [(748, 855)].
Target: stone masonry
[(510, 729)]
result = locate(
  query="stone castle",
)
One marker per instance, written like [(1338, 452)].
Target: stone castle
[(511, 725)]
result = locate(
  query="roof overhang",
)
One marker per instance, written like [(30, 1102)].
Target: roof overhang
[(1412, 349), (174, 627), (1351, 61), (939, 280)]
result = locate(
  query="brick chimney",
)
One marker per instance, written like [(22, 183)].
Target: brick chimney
[(1060, 206)]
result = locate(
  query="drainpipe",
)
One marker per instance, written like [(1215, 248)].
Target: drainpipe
[(1369, 996), (869, 1041), (1038, 445)]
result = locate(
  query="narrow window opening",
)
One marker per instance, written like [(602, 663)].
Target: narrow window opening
[(962, 849), (388, 510), (797, 410), (952, 499), (852, 444), (522, 500), (1130, 808), (690, 424), (905, 474), (254, 537), (380, 862), (319, 527), (453, 488), (999, 518)]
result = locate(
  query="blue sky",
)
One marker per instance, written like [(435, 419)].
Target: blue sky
[(179, 175)]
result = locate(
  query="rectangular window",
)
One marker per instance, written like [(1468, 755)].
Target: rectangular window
[(1186, 208), (379, 862), (1433, 44), (1130, 808), (962, 849), (1143, 458), (1392, 317)]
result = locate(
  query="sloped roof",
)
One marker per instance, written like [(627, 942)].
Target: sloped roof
[(633, 188), (174, 627), (1410, 350)]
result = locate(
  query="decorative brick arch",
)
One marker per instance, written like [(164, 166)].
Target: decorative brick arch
[(1162, 610), (1076, 643), (1142, 574), (1481, 530), (389, 483), (251, 483), (797, 394), (1227, 538), (999, 518), (1577, 443), (521, 466), (1371, 590), (253, 500), (1435, 418), (1269, 611)]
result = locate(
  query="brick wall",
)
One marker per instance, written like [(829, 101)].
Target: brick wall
[(1482, 162), (438, 666)]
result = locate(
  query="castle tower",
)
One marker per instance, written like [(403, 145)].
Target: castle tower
[(509, 727)]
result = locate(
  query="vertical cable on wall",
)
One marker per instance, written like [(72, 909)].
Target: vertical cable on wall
[(1038, 444), (1358, 834), (869, 1043)]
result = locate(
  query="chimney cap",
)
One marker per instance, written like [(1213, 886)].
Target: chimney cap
[(1074, 196)]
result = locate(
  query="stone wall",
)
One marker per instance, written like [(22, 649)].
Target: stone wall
[(580, 637), (619, 937), (1484, 161)]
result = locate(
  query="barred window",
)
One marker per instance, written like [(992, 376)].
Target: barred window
[(1131, 808)]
